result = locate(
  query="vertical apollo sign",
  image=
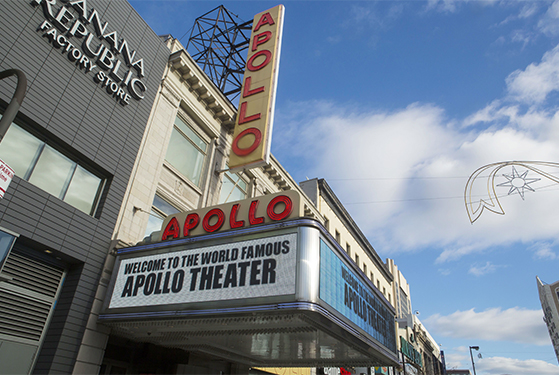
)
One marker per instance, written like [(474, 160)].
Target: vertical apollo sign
[(253, 128)]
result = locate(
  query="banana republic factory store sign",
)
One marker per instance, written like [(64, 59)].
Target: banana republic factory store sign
[(254, 282), (77, 31)]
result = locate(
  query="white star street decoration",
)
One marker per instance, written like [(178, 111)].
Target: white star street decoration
[(475, 205), (518, 182)]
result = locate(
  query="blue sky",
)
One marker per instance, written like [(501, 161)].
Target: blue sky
[(396, 104)]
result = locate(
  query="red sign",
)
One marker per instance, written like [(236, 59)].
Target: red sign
[(235, 215), (6, 175), (253, 128)]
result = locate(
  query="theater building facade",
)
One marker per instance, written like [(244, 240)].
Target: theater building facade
[(249, 244), (132, 248)]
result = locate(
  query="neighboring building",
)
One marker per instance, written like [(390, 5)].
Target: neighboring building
[(72, 145), (459, 372), (348, 235), (428, 349), (420, 353), (549, 297)]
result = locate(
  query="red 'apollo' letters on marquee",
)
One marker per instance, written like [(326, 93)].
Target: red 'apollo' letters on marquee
[(235, 215)]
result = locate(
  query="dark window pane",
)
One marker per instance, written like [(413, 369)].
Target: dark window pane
[(164, 206), (160, 209), (45, 167)]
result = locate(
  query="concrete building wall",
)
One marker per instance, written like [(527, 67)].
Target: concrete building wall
[(549, 298)]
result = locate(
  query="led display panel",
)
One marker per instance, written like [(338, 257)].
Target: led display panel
[(261, 267), (344, 291)]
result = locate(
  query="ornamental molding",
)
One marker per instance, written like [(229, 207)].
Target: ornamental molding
[(203, 88), (171, 94)]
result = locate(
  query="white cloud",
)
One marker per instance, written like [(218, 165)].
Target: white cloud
[(549, 23), (451, 6), (455, 360), (443, 5), (492, 325), (401, 174), (543, 250), (488, 267), (522, 36), (371, 17), (533, 84), (444, 271), (528, 10), (511, 366)]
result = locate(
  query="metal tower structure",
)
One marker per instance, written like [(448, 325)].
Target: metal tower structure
[(218, 44)]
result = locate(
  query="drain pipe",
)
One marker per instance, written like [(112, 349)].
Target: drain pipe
[(17, 99)]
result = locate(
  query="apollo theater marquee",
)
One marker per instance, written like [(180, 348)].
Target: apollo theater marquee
[(254, 282)]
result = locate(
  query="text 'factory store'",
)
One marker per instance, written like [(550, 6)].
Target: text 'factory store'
[(147, 228)]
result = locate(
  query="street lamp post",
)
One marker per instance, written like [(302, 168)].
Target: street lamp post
[(472, 357)]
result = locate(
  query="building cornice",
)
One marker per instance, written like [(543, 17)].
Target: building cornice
[(346, 218), (203, 88)]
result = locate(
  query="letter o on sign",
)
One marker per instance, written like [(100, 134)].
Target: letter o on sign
[(286, 211), (220, 220), (245, 151), (267, 57)]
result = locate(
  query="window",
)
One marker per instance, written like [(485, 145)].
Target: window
[(186, 151), (327, 224), (7, 240), (357, 260), (160, 209), (233, 188), (338, 237), (45, 167), (364, 268), (378, 284), (372, 277), (348, 249)]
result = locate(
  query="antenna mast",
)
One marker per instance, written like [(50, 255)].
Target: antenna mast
[(218, 44)]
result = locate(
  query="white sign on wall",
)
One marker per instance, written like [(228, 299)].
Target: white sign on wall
[(262, 267), (6, 175)]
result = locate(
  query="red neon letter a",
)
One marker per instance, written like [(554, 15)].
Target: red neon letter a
[(171, 230), (265, 19)]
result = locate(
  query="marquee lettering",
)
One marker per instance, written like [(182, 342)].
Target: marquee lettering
[(279, 208)]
